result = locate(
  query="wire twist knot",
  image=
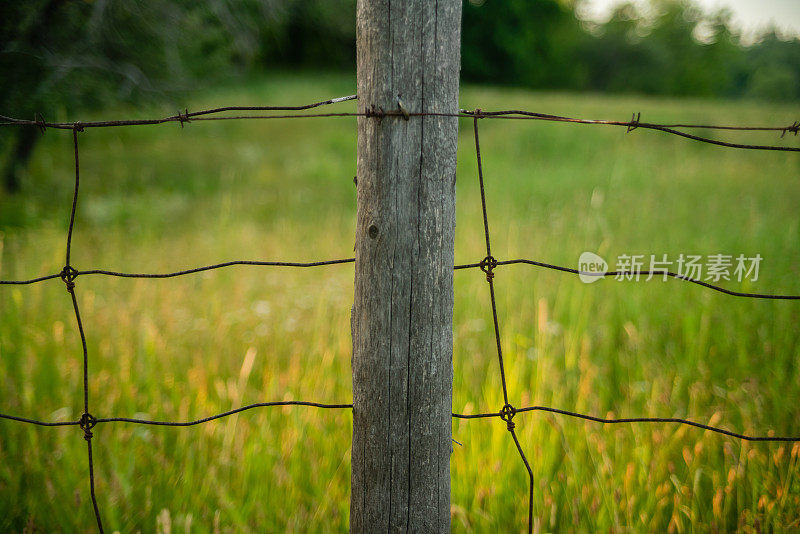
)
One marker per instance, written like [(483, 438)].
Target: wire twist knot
[(87, 423), (634, 122), (478, 114), (68, 275), (77, 126), (791, 129), (487, 265), (507, 414)]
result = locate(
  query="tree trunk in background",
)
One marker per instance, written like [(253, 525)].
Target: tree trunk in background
[(22, 147), (402, 319)]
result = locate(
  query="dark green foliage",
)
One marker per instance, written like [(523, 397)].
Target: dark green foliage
[(312, 33), (58, 56), (61, 56), (670, 47), (661, 54), (776, 69), (87, 53), (520, 42)]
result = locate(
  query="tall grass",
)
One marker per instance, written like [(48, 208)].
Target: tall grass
[(160, 198)]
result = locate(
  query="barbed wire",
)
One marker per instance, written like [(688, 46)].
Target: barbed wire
[(487, 265), (181, 118), (635, 123), (205, 115)]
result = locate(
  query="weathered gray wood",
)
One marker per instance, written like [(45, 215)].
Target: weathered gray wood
[(403, 309)]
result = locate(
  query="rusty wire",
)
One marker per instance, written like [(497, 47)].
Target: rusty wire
[(213, 114), (487, 265)]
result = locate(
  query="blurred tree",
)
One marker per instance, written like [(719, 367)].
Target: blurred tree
[(774, 68), (620, 59), (671, 47), (521, 42), (672, 34), (312, 33), (57, 56), (723, 55)]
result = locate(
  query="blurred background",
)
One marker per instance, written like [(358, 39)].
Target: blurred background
[(157, 199), (60, 56)]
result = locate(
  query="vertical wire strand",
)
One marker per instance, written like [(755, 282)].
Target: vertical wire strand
[(489, 260), (530, 480), (497, 341), (87, 421), (487, 265), (91, 487), (480, 180), (85, 350), (75, 194)]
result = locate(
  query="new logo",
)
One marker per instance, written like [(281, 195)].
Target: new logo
[(592, 267)]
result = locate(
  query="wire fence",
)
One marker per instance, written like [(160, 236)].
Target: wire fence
[(488, 265)]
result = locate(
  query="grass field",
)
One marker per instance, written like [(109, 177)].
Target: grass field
[(162, 198)]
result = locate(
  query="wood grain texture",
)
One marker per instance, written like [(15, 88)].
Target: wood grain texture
[(403, 309)]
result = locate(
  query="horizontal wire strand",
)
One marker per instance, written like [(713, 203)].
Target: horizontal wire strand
[(671, 274), (633, 124), (631, 420), (455, 415), (224, 414), (36, 422), (462, 266)]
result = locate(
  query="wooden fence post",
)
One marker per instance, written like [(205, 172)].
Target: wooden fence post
[(408, 60)]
